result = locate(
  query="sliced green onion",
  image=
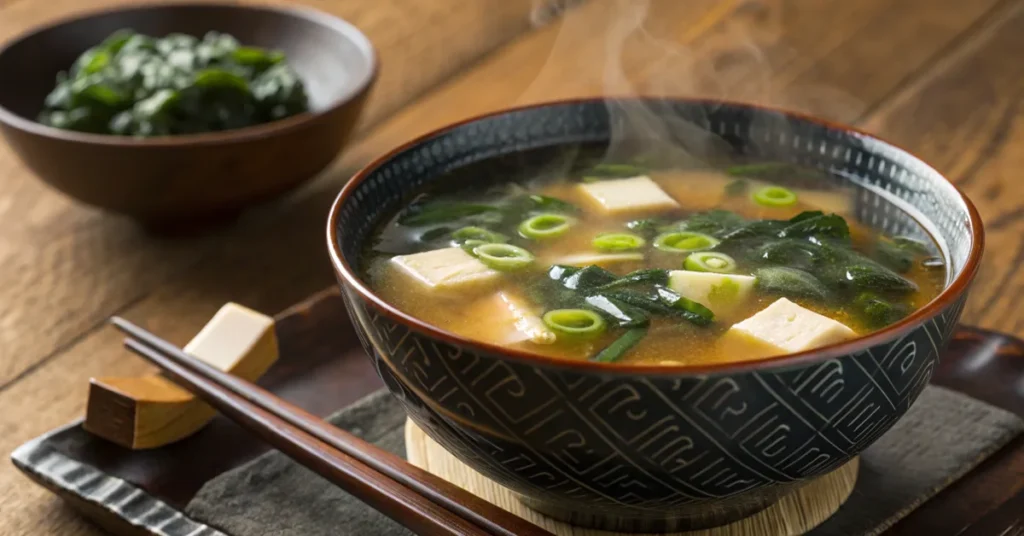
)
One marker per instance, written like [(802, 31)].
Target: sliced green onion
[(471, 244), (618, 348), (774, 196), (544, 226), (710, 261), (504, 257), (684, 242), (618, 242), (478, 233), (579, 323)]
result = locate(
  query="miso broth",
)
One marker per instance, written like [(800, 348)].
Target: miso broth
[(623, 263)]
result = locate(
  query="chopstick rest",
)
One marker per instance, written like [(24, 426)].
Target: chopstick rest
[(152, 411)]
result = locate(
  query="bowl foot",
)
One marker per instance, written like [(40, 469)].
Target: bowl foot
[(701, 517), (786, 512)]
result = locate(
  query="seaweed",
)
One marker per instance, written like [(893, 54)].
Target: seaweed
[(790, 282), (877, 312), (619, 347), (619, 312), (717, 223), (654, 276)]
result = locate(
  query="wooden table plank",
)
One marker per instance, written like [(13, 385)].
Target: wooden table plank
[(805, 48), (68, 266), (964, 118)]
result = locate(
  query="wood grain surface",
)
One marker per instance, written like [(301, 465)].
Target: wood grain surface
[(941, 78)]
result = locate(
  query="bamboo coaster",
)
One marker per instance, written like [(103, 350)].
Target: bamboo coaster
[(794, 514)]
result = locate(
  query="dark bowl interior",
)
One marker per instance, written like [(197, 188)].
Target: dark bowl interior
[(335, 60), (644, 447)]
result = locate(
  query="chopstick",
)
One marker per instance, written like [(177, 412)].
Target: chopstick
[(411, 496)]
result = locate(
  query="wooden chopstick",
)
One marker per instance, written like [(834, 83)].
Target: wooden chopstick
[(416, 498)]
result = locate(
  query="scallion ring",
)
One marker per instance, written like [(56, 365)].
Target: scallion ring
[(710, 261), (478, 233), (684, 242), (774, 196), (544, 226), (470, 244), (503, 257), (576, 323), (618, 242)]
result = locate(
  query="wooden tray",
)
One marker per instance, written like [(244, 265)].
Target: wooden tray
[(323, 368)]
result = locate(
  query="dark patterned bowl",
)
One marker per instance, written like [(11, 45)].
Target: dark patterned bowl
[(642, 447)]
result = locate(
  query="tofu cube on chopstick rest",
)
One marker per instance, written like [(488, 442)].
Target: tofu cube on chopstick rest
[(152, 411)]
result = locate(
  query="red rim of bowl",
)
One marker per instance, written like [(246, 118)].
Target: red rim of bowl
[(357, 37), (950, 293)]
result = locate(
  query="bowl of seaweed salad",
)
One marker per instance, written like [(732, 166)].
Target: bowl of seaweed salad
[(139, 85), (181, 114)]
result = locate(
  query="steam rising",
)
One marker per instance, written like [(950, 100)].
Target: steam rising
[(717, 49)]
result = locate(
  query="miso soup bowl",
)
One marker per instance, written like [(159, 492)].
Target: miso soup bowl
[(647, 447)]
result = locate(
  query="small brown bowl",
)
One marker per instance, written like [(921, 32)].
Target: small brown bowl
[(185, 180)]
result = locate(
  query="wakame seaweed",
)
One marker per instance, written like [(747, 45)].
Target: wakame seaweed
[(786, 281), (618, 348), (811, 242), (654, 276), (136, 85), (623, 314), (717, 223), (899, 253), (877, 312), (626, 300)]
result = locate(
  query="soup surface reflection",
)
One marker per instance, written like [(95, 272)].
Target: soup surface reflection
[(618, 263)]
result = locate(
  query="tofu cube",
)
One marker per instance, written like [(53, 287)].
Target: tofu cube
[(600, 259), (785, 328), (445, 269), (527, 324), (504, 318), (622, 196), (719, 292)]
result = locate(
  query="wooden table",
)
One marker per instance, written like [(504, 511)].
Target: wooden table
[(942, 78)]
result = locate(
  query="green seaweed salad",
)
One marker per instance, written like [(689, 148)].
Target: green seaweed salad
[(137, 85)]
